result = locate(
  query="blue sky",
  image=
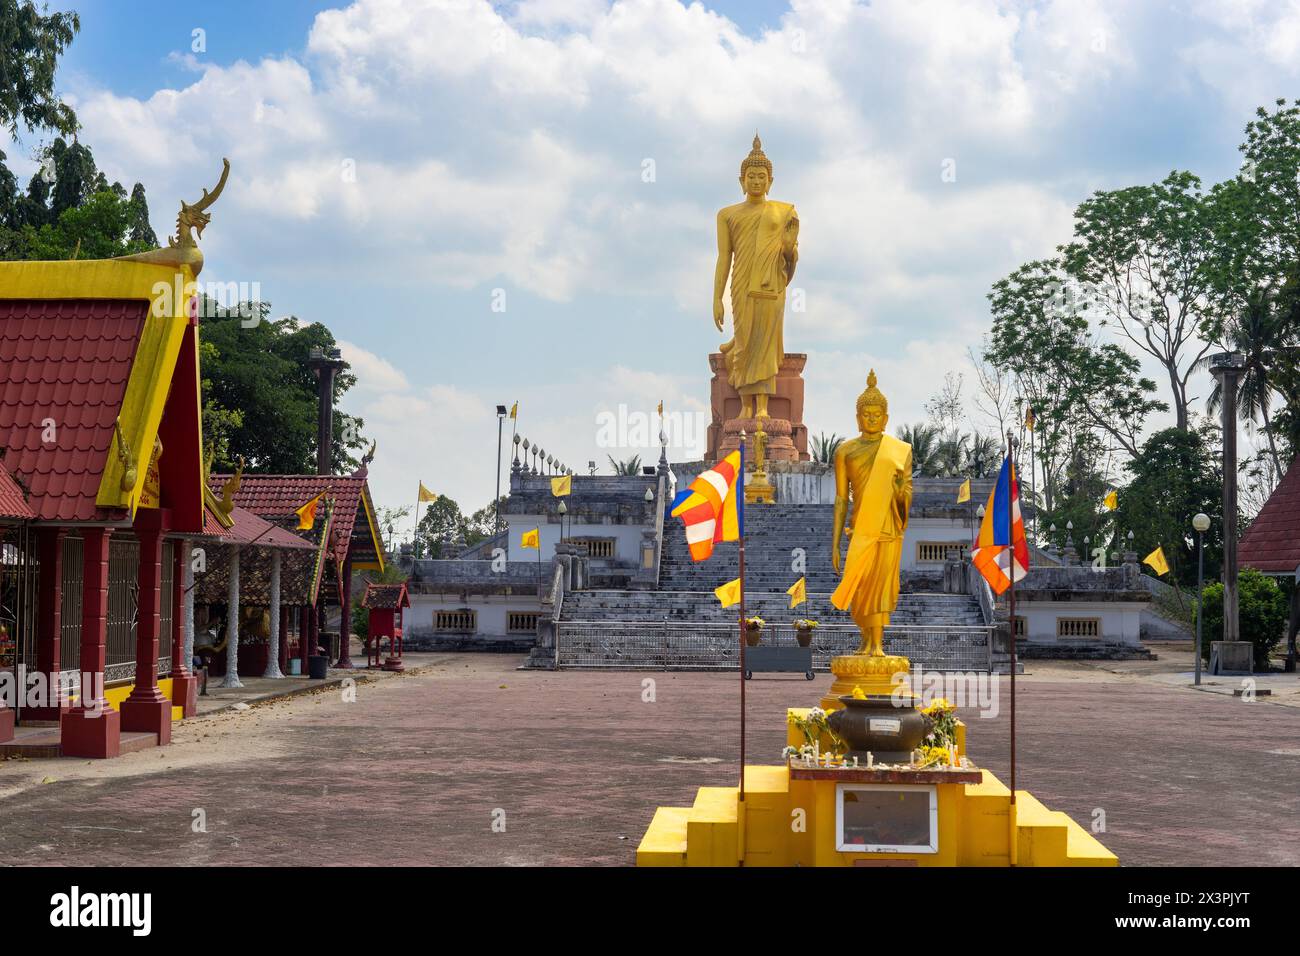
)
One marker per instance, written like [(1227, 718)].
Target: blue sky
[(503, 147)]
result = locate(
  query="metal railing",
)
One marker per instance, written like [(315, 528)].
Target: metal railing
[(674, 645)]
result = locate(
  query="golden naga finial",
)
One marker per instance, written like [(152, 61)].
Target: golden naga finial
[(369, 456), (194, 216), (130, 471), (227, 502), (182, 248), (872, 395)]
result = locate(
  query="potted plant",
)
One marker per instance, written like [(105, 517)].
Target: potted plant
[(803, 629), (753, 630)]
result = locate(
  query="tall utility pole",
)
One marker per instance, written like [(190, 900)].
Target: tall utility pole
[(326, 363), (1227, 368), (496, 501)]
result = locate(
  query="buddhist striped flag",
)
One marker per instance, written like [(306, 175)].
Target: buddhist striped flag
[(1002, 534), (712, 508)]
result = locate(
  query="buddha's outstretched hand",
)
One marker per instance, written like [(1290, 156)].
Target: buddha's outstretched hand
[(835, 557), (717, 313)]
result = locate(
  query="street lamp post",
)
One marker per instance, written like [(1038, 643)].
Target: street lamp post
[(563, 509), (1202, 524), (1227, 368), (496, 502)]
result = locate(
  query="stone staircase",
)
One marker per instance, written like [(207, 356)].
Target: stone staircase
[(772, 532), (702, 607), (683, 625)]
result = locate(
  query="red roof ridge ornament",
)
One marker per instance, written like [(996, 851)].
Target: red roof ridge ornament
[(183, 248)]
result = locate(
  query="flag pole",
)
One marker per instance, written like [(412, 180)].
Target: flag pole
[(740, 490), (1011, 600)]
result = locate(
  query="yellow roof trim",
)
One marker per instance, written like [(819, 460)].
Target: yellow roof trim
[(375, 539), (168, 291)]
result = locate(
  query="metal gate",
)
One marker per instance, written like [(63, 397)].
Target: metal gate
[(18, 582), (123, 591)]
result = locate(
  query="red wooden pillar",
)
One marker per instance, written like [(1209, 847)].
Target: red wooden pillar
[(185, 686), (49, 622), (345, 618), (146, 709), (92, 728)]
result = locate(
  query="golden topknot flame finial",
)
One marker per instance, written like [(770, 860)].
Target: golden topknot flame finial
[(873, 395), (756, 157)]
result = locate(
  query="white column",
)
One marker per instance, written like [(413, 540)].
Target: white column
[(273, 648), (187, 612), (232, 623)]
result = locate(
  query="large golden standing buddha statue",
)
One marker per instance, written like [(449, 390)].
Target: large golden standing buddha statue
[(874, 470), (758, 245)]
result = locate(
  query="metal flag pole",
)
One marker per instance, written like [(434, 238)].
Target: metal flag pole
[(1011, 600), (740, 501)]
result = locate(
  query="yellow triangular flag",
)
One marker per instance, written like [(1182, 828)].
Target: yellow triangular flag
[(530, 539), (729, 593), (514, 411), (1112, 500), (1157, 561), (307, 513), (798, 592), (963, 493), (426, 494), (562, 485)]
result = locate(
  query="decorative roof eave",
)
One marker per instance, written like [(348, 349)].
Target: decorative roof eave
[(376, 540), (167, 290)]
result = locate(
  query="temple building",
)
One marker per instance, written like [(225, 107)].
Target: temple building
[(1271, 545), (100, 432)]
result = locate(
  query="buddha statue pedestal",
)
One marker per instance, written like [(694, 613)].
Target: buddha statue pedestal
[(873, 675), (786, 432)]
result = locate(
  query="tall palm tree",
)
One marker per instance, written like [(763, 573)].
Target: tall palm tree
[(1262, 335), (924, 440), (824, 447)]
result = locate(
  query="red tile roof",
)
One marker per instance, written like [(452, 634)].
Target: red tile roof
[(66, 360), (250, 529), (1272, 543), (12, 502), (385, 596), (278, 496)]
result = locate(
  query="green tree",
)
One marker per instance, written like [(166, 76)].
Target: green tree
[(258, 368), (1140, 255), (1177, 475), (1261, 614), (439, 528), (71, 211), (31, 43)]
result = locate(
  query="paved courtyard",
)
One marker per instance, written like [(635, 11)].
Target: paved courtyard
[(417, 769)]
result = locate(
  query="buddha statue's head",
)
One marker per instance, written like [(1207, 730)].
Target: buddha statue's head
[(873, 409), (756, 172)]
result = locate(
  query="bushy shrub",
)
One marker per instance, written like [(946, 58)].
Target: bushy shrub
[(1261, 614)]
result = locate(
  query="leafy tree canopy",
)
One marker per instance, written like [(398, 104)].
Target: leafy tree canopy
[(260, 395)]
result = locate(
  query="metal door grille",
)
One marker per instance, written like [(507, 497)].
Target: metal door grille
[(123, 590), (165, 599), (70, 606)]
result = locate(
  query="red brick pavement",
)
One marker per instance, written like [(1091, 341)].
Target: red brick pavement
[(413, 772)]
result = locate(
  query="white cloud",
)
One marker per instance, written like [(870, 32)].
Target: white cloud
[(423, 153)]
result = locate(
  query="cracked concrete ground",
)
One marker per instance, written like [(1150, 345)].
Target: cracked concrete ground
[(419, 767)]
